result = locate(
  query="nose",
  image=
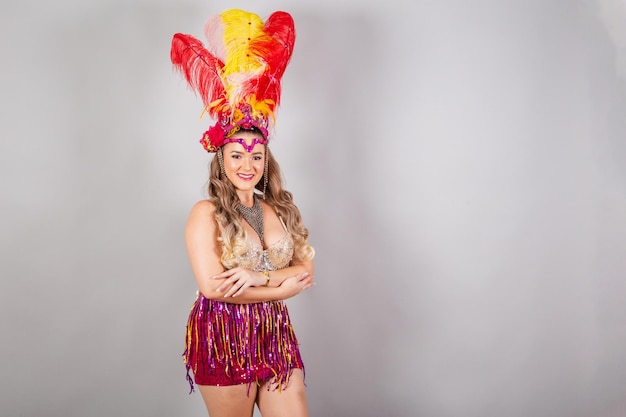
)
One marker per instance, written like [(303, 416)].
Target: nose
[(246, 163)]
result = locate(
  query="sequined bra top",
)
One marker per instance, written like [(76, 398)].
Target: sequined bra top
[(276, 256)]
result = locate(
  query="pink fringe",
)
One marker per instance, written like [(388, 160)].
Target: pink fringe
[(230, 344)]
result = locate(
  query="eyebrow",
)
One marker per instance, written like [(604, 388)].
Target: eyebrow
[(257, 153)]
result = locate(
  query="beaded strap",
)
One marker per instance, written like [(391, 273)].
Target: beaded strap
[(254, 216)]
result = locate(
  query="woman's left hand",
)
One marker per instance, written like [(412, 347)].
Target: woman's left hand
[(236, 280)]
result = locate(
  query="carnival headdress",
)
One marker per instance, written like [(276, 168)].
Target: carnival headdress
[(238, 76)]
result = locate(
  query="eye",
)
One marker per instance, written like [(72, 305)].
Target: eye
[(235, 156), (257, 157)]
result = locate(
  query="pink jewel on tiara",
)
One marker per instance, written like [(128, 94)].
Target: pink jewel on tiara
[(242, 142)]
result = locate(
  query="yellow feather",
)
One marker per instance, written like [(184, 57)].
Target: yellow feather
[(241, 27)]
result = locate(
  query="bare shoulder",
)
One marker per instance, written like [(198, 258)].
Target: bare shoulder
[(201, 229), (203, 207), (202, 213)]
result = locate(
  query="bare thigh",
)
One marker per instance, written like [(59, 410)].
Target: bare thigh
[(230, 401), (289, 402)]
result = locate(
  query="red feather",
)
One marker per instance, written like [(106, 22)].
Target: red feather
[(200, 68), (275, 49), (280, 27)]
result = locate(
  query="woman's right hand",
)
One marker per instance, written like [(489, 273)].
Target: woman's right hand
[(296, 284)]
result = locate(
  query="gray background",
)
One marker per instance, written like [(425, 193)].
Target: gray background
[(461, 166)]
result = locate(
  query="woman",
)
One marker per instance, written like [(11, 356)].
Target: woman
[(248, 253)]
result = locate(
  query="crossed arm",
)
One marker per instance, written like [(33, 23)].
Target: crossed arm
[(237, 285)]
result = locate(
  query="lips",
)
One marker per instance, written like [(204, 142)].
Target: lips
[(245, 177)]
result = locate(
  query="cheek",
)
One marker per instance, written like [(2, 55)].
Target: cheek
[(231, 162), (230, 166), (259, 165)]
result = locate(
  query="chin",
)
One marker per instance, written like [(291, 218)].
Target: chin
[(245, 187)]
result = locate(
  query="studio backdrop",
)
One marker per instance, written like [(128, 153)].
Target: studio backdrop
[(461, 167)]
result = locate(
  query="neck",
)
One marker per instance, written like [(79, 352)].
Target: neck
[(247, 198)]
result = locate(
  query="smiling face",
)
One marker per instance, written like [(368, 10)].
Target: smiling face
[(244, 162)]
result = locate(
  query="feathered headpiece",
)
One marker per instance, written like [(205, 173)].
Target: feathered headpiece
[(238, 76)]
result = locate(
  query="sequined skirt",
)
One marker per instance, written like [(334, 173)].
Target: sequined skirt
[(232, 344)]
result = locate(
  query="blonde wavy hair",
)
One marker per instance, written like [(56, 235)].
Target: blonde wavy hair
[(231, 232)]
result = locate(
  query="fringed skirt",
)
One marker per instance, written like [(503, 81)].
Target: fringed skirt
[(232, 344)]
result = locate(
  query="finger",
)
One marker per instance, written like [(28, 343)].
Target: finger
[(309, 281), (236, 284), (241, 289), (238, 277), (223, 287), (230, 286), (230, 281), (232, 290), (305, 277), (301, 276), (226, 284), (227, 273)]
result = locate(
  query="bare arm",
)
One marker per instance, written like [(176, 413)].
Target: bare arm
[(236, 280), (202, 246), (289, 287)]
